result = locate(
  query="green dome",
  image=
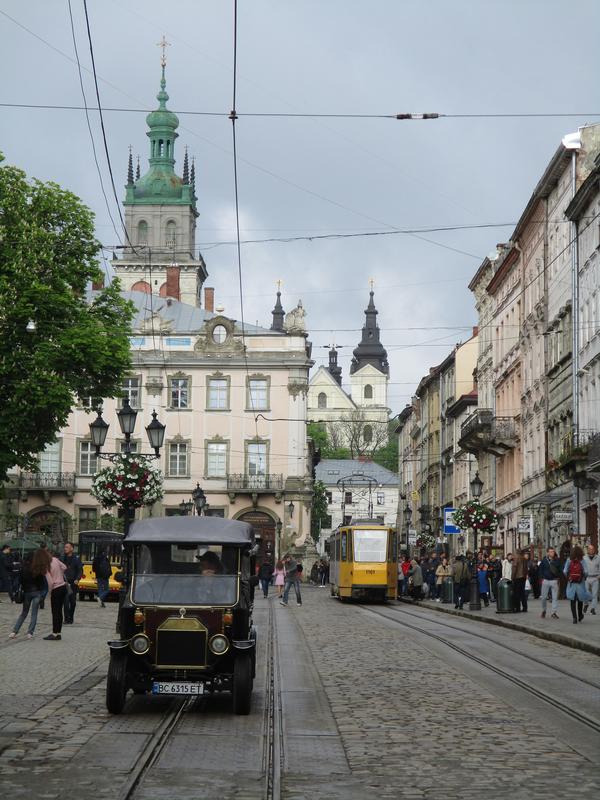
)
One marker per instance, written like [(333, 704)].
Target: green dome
[(162, 117)]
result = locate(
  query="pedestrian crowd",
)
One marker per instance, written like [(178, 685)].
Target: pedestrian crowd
[(577, 578), (287, 573), (30, 578)]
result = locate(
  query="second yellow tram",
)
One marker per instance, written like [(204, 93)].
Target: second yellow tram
[(363, 560)]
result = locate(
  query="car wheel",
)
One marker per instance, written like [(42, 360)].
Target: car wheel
[(116, 683), (242, 684)]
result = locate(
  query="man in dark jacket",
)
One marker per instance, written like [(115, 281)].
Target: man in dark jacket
[(549, 571), (460, 575), (73, 574), (102, 570), (265, 573)]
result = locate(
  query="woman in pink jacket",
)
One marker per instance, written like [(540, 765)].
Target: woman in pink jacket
[(58, 589)]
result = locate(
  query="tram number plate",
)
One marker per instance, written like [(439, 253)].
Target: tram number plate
[(177, 688)]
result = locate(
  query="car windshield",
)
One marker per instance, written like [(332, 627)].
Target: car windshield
[(370, 545), (176, 574)]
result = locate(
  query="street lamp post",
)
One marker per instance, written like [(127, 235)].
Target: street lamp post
[(474, 597), (407, 518), (185, 507)]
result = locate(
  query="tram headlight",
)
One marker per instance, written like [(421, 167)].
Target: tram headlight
[(140, 644), (219, 644)]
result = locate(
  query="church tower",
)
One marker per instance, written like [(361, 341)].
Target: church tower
[(160, 216), (369, 369)]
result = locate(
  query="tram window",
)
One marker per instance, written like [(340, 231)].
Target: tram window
[(370, 545), (344, 546)]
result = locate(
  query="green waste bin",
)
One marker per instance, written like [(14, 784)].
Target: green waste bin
[(448, 589), (504, 597)]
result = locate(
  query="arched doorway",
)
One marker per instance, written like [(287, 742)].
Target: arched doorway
[(264, 529), (52, 523)]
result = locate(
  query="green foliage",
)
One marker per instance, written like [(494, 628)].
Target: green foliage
[(110, 523), (387, 456), (48, 257), (318, 434), (319, 509)]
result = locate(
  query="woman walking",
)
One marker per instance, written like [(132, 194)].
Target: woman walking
[(444, 570), (575, 573), (58, 590), (32, 582), (279, 574)]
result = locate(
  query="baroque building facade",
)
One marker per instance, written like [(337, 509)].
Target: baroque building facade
[(233, 398)]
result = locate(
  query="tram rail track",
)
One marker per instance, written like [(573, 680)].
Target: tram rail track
[(579, 716), (172, 718)]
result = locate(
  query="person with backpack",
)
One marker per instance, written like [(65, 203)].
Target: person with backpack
[(102, 570), (575, 573), (549, 571)]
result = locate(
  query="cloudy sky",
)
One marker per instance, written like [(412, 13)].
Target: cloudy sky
[(307, 177)]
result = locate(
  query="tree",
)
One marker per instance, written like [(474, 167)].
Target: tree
[(319, 509), (361, 435), (320, 436), (75, 347), (387, 456)]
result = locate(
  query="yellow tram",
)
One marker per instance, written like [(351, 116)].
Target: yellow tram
[(363, 560)]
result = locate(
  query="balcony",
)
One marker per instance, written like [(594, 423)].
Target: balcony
[(482, 432), (580, 453), (255, 485), (44, 482)]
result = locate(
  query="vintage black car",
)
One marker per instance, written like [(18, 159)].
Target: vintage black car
[(185, 619)]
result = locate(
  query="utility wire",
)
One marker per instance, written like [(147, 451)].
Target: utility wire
[(112, 179), (89, 126)]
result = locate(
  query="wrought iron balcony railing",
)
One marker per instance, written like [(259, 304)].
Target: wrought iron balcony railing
[(46, 481), (254, 483), (483, 432)]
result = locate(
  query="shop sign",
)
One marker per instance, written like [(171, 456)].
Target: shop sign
[(562, 516), (525, 525)]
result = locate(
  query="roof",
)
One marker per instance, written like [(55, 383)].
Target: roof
[(205, 530), (182, 317), (330, 470)]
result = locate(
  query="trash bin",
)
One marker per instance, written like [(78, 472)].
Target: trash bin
[(448, 589), (504, 597)]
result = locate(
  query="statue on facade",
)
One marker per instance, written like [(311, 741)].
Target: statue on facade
[(294, 320)]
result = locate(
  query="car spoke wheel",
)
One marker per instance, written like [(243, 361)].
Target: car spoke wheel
[(242, 684), (116, 686)]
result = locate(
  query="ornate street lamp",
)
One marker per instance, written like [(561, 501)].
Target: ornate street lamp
[(407, 515), (185, 507), (476, 485), (291, 509), (199, 499)]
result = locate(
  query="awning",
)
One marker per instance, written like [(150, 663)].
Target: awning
[(548, 498)]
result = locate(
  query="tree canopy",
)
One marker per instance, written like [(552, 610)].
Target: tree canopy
[(76, 345)]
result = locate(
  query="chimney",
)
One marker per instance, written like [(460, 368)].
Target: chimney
[(172, 288), (209, 299)]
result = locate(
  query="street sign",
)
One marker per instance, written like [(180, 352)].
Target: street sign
[(449, 525), (562, 516), (525, 525), (412, 536)]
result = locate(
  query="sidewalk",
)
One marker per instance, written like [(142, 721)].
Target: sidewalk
[(583, 636)]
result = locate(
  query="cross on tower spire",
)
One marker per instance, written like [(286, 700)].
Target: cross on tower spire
[(164, 44)]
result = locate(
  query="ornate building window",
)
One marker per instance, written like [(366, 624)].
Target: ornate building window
[(88, 462), (49, 459), (367, 434), (131, 389), (216, 459), (257, 394), (179, 392), (217, 394), (368, 392), (257, 457), (171, 233), (142, 232), (322, 400), (178, 459)]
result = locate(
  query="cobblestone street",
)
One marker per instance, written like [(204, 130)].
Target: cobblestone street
[(368, 706)]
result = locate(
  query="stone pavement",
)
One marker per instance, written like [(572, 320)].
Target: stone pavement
[(583, 636), (414, 727)]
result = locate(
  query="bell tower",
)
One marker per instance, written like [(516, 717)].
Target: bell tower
[(160, 215)]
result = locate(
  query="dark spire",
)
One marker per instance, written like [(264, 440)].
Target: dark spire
[(130, 169), (137, 169), (186, 168), (278, 314), (193, 173), (334, 370), (370, 350)]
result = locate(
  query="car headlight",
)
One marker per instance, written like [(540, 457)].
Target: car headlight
[(140, 644), (219, 644)]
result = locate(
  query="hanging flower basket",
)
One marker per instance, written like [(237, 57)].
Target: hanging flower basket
[(130, 480), (426, 540), (474, 515)]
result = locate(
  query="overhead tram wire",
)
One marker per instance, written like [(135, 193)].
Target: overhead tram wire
[(300, 115), (233, 117), (89, 126)]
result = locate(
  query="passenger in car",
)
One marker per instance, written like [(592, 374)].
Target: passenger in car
[(210, 564)]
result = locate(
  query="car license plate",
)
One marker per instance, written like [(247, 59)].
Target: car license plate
[(177, 688)]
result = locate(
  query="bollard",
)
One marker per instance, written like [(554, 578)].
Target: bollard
[(504, 597), (448, 589)]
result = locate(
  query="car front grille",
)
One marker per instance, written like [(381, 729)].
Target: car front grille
[(181, 643)]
